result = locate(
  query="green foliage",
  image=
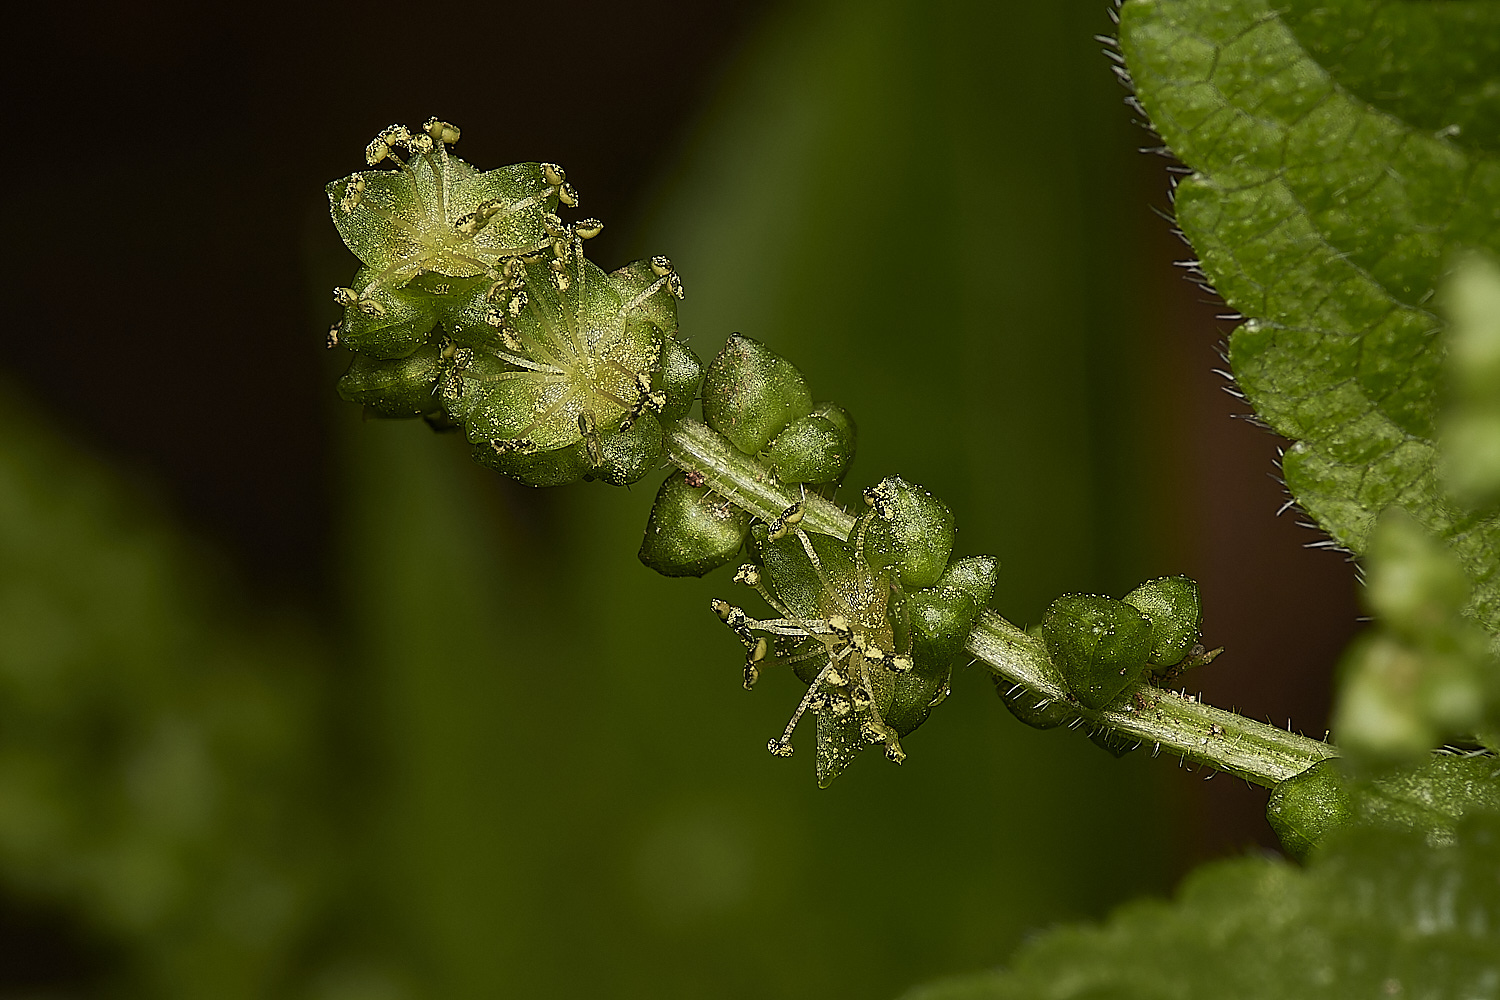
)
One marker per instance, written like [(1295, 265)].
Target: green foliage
[(158, 757), (1470, 432), (1379, 913), (1342, 159), (1333, 183), (1427, 673), (1430, 797)]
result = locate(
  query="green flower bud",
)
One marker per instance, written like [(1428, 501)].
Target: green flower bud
[(399, 388), (815, 449), (631, 453), (1171, 603), (943, 615), (750, 393), (557, 467), (384, 322), (691, 529), (1308, 806), (1098, 644), (941, 618), (679, 378), (913, 524)]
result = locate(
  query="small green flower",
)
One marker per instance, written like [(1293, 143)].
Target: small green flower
[(436, 214), (565, 357), (875, 656)]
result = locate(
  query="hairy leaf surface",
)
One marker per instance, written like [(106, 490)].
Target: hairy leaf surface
[(1342, 155), (1378, 915)]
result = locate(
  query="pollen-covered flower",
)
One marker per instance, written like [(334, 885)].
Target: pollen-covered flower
[(560, 370), (872, 625), (431, 214)]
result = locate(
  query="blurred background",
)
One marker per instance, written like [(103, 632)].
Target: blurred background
[(294, 704)]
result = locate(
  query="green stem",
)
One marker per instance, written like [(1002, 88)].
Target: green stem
[(1164, 720)]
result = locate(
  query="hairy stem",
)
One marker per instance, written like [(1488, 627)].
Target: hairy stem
[(1161, 719)]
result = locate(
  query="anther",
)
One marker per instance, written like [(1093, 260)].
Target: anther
[(353, 193), (553, 174), (749, 575), (345, 297), (568, 195), (661, 266), (779, 748), (839, 626), (674, 285), (333, 335), (899, 664), (441, 131), (588, 229)]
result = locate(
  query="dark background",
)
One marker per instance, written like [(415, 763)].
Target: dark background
[(167, 242)]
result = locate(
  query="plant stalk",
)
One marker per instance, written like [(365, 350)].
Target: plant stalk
[(1159, 718)]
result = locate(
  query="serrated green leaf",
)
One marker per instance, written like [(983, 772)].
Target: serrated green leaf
[(1379, 914), (1329, 192)]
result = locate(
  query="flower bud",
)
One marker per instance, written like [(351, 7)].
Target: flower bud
[(1099, 645), (691, 529), (915, 526), (397, 388), (385, 322), (1171, 602), (815, 449), (750, 393), (1306, 807)]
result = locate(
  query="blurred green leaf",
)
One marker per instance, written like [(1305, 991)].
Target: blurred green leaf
[(158, 753), (1343, 153), (1471, 428), (1377, 914)]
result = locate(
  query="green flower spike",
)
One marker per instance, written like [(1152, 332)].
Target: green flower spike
[(876, 659), (432, 215), (562, 376)]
